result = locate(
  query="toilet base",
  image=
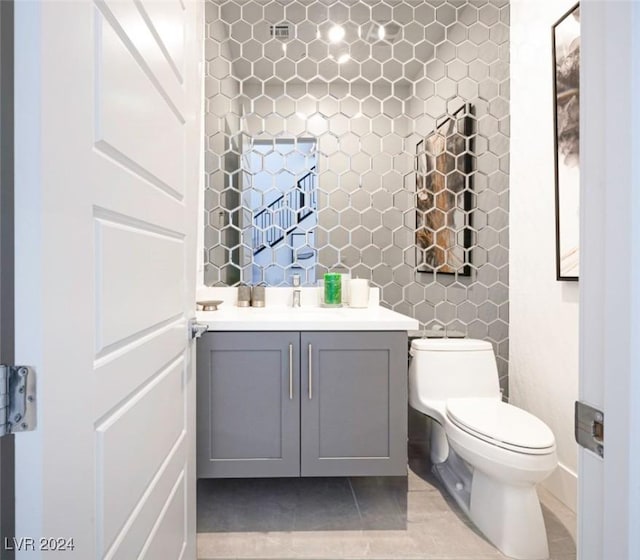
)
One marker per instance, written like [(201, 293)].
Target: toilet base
[(508, 514), (456, 477), (510, 517)]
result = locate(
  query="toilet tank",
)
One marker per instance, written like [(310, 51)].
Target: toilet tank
[(444, 369)]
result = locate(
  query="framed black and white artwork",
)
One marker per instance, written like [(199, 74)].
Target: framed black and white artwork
[(566, 89)]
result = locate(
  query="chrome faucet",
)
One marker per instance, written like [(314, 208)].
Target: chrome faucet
[(296, 292)]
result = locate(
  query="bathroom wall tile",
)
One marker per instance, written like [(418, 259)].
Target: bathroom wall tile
[(367, 114)]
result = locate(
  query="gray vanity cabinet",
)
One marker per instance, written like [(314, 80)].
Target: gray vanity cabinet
[(354, 403), (248, 421), (275, 404)]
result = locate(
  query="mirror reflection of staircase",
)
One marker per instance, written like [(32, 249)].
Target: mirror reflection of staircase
[(280, 192), (275, 222)]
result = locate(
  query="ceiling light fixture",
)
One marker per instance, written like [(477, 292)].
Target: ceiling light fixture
[(343, 58), (381, 32), (336, 34)]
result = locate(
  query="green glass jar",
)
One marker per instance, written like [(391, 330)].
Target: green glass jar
[(332, 290)]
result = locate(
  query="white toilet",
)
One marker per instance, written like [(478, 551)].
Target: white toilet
[(488, 454)]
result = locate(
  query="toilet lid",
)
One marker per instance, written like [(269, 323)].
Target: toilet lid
[(502, 423)]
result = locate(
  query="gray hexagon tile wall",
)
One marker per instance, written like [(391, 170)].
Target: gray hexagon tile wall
[(361, 82)]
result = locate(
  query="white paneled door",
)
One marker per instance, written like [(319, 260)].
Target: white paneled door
[(108, 111), (609, 493)]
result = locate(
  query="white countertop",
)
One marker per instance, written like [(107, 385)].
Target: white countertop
[(309, 317)]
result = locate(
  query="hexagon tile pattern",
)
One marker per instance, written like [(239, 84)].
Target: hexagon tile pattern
[(367, 80)]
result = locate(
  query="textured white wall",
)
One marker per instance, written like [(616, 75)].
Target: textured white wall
[(543, 357)]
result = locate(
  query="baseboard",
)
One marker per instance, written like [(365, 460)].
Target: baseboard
[(563, 484)]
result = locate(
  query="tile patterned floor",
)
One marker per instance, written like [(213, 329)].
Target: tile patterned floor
[(351, 519)]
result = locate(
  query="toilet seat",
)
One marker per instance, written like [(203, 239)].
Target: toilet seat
[(501, 424)]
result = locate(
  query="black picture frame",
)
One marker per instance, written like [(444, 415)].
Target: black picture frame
[(444, 183), (565, 40)]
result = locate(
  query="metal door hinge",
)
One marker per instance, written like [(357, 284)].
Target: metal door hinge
[(17, 399), (589, 428), (196, 330)]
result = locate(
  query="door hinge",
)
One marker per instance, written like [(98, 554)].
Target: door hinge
[(17, 399), (589, 428), (196, 330)]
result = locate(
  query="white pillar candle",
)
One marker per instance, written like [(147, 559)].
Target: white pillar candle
[(346, 278), (359, 292)]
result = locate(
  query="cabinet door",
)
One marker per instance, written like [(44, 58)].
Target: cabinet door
[(248, 404), (354, 403)]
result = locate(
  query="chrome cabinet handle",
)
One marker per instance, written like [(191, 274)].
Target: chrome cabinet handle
[(290, 371), (310, 373)]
